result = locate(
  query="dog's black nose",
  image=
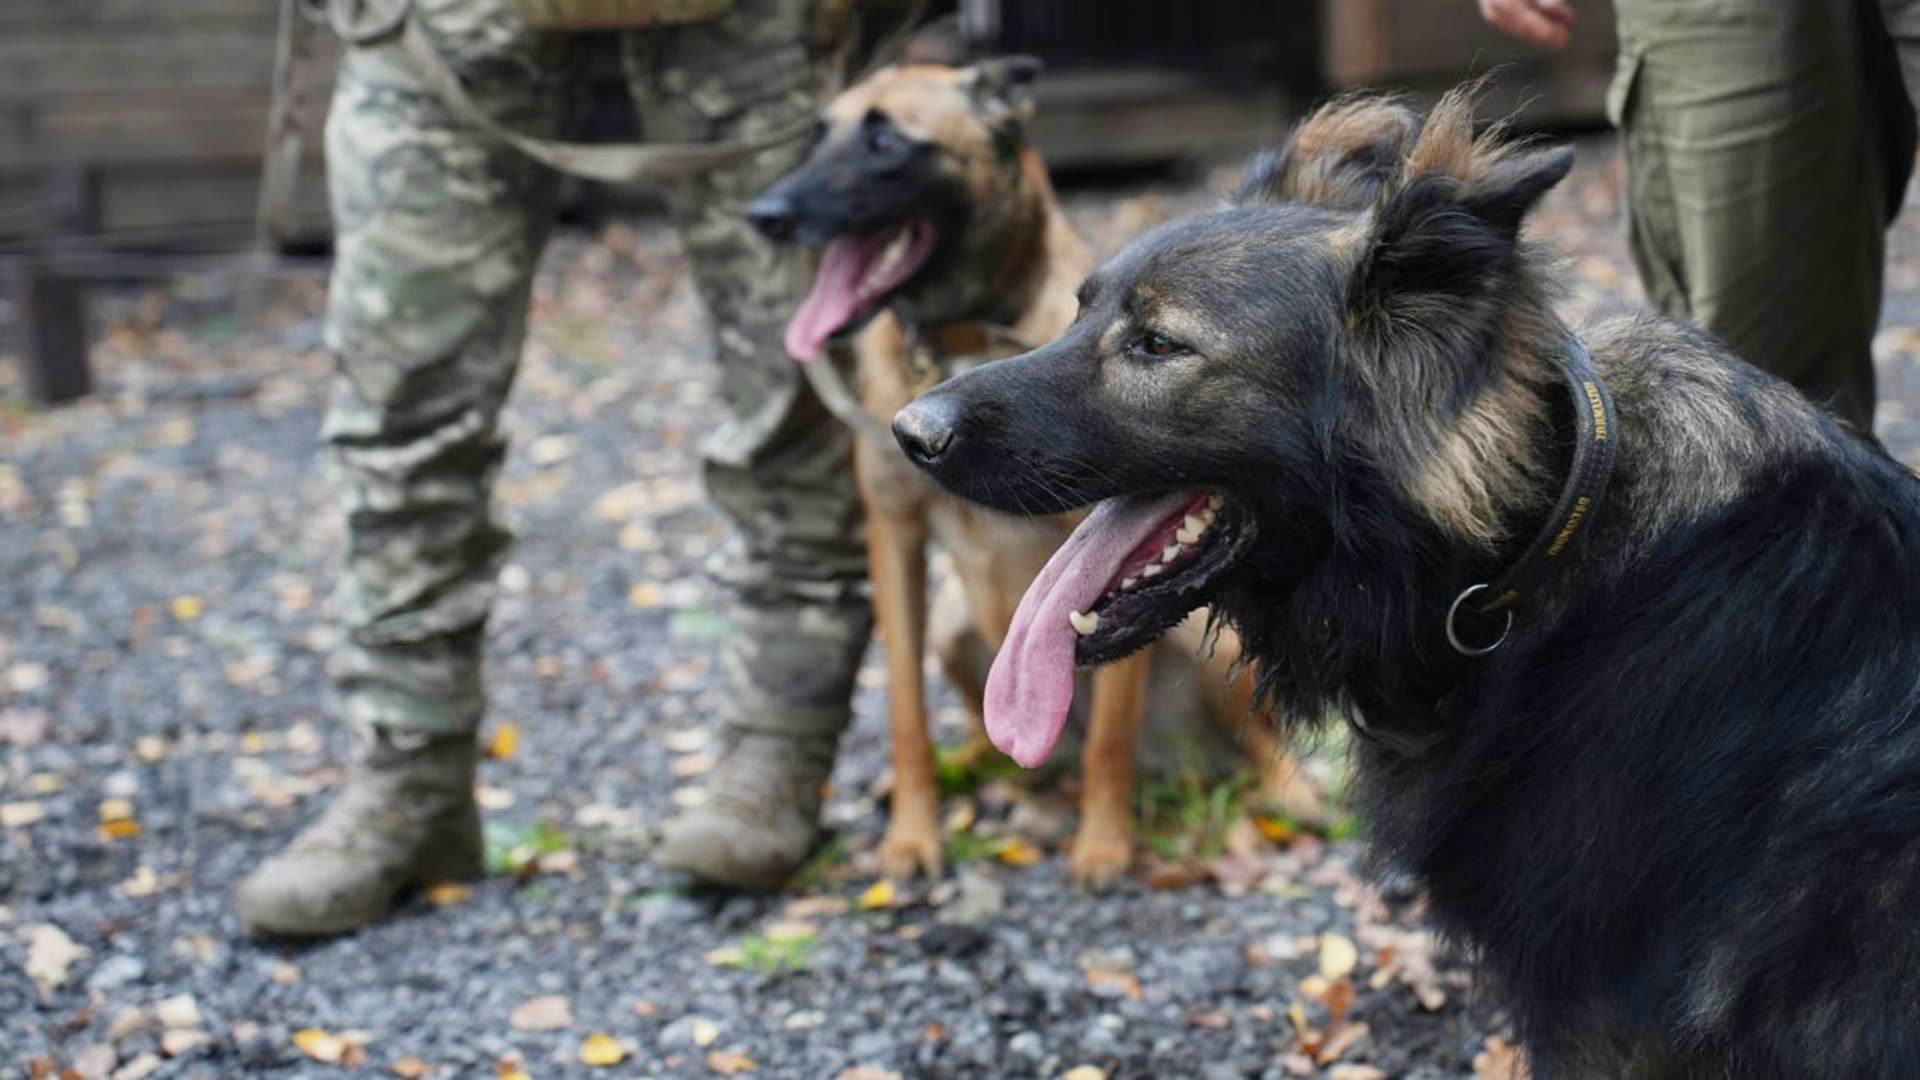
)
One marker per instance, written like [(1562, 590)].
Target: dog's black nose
[(924, 429), (772, 214)]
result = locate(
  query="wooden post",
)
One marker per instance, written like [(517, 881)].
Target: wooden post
[(53, 338)]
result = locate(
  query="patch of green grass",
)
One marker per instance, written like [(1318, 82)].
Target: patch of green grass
[(698, 623), (771, 956), (965, 847), (965, 769), (1345, 827), (1188, 814), (818, 872), (511, 849)]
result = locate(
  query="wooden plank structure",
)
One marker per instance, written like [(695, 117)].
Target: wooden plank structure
[(132, 131)]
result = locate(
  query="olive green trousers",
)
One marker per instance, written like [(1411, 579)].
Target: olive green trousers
[(1768, 143)]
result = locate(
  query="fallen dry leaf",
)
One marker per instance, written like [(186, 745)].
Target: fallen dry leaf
[(448, 892), (1356, 1072), (505, 740), (705, 1032), (1274, 829), (549, 1013), (867, 1072), (145, 882), (1338, 956), (50, 955), (1017, 852), (410, 1068), (878, 895), (1084, 1072), (19, 815), (320, 1045), (1339, 999), (729, 1062), (1339, 1041), (781, 930), (187, 608), (601, 1050), (1117, 980), (687, 740)]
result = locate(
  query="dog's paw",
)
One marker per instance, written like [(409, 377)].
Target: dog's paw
[(1101, 855), (1287, 787), (910, 849)]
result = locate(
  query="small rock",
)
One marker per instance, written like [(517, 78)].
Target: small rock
[(127, 1023), (977, 899), (178, 1042), (869, 1045), (179, 1011), (95, 1062), (116, 971), (1027, 1044), (139, 1068), (804, 1019), (550, 1013)]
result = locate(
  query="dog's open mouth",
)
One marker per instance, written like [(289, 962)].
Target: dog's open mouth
[(856, 274), (1132, 570)]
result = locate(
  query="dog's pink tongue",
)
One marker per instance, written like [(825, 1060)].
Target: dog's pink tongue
[(832, 303), (1030, 686)]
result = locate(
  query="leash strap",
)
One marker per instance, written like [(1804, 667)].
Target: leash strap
[(1492, 603), (613, 163)]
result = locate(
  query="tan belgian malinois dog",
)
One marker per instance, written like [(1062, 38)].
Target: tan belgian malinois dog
[(944, 246)]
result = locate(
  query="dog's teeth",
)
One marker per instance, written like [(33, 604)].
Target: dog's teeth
[(1083, 624), (1152, 571), (1190, 530), (1206, 517), (1167, 553), (1130, 583)]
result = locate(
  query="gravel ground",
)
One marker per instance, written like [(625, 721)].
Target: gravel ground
[(164, 556)]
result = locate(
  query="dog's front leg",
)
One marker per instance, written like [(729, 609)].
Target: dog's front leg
[(897, 559), (1103, 849)]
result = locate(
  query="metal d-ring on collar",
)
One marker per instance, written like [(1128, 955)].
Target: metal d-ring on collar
[(1453, 635), (1595, 437)]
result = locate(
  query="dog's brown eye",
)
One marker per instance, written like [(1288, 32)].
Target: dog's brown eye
[(1159, 344)]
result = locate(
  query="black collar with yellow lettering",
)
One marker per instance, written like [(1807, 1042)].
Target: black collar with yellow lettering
[(1484, 611)]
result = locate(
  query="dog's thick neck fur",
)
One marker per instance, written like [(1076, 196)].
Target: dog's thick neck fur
[(1442, 420)]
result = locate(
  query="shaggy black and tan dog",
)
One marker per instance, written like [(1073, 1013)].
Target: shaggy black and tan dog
[(1631, 630)]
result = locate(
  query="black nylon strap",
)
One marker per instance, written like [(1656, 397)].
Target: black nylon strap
[(1595, 437)]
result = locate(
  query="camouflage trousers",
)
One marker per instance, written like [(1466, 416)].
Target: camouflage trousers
[(438, 231), (1767, 144)]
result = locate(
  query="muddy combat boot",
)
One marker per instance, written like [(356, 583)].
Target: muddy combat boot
[(761, 819), (406, 817)]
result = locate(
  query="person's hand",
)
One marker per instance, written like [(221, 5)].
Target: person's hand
[(1543, 22)]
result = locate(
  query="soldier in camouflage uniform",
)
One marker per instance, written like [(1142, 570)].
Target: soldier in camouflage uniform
[(439, 228)]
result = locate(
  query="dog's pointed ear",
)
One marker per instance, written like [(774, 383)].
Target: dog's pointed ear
[(1438, 233), (1342, 157), (940, 42), (1511, 187), (1001, 89)]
